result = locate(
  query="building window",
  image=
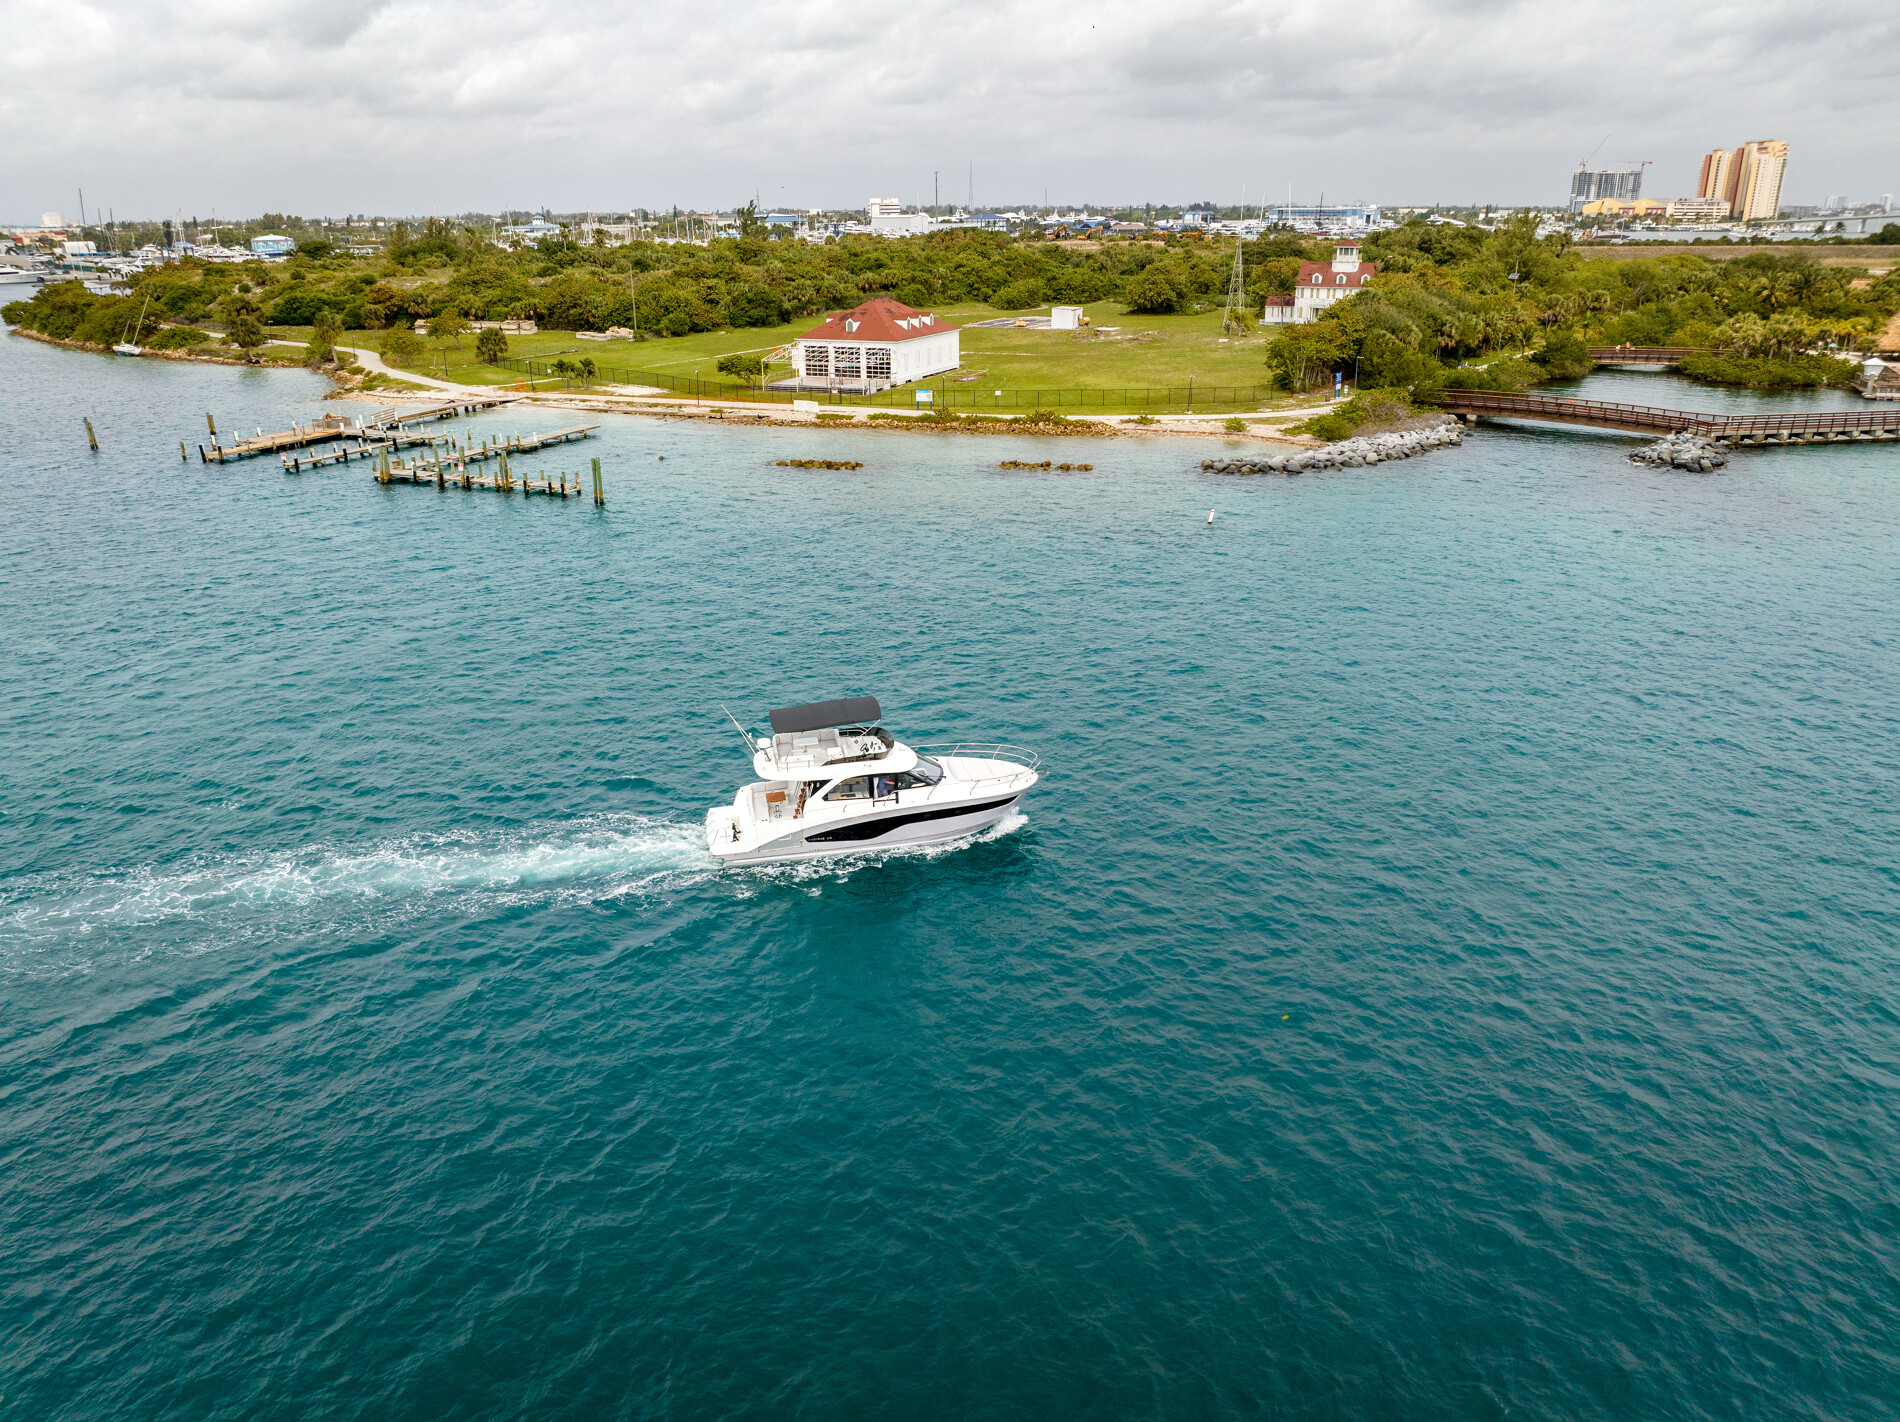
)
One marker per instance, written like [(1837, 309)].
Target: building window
[(877, 362), (845, 362), (817, 360)]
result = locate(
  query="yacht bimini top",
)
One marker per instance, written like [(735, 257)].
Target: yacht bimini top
[(806, 740)]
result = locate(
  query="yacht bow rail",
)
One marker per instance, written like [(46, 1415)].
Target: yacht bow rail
[(985, 750)]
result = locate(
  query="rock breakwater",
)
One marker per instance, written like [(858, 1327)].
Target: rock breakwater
[(1355, 453), (1682, 451)]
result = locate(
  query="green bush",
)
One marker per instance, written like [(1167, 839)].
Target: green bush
[(676, 323), (1785, 372), (1153, 292), (1236, 426), (744, 368), (1018, 296), (1564, 357), (1329, 427), (490, 346), (400, 346), (177, 338)]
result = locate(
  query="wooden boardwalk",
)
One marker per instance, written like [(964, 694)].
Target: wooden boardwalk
[(1815, 427), (377, 429), (1645, 355)]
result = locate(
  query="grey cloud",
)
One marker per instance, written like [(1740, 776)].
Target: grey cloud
[(409, 105)]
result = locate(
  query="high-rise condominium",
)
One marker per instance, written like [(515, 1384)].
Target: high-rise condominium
[(1748, 178), (1760, 165)]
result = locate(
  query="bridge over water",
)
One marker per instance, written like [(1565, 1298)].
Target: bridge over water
[(1645, 355), (1811, 427)]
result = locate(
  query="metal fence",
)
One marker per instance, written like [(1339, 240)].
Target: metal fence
[(958, 395)]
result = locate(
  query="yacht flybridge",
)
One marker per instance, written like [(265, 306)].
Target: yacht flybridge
[(832, 780)]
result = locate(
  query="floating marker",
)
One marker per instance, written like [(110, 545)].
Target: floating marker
[(1210, 515)]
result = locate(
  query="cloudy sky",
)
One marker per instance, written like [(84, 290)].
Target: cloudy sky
[(411, 106)]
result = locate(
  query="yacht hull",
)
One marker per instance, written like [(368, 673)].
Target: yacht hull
[(892, 829)]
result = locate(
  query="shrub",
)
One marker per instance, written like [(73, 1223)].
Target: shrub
[(1018, 296), (1235, 426), (1786, 372), (753, 305), (744, 368), (490, 346), (1564, 357), (177, 338), (1329, 427), (1153, 292), (677, 323), (400, 346), (1140, 420)]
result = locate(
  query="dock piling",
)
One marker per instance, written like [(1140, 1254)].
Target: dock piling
[(600, 496), (211, 425), (91, 438), (183, 458)]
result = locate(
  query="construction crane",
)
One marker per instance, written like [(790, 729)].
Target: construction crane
[(1584, 162)]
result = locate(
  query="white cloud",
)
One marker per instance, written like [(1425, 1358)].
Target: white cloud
[(419, 105)]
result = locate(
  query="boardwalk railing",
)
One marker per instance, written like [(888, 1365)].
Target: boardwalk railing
[(1641, 419), (1646, 355)]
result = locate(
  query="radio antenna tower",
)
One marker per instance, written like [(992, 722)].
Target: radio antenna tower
[(1236, 290)]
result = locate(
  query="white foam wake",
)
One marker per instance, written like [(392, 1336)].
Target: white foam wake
[(612, 855)]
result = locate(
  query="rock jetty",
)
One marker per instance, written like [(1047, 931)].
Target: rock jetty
[(1682, 451), (1355, 453)]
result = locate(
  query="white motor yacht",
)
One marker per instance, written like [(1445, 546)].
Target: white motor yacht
[(832, 780)]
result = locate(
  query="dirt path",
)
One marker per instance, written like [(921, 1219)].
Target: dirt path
[(1890, 338)]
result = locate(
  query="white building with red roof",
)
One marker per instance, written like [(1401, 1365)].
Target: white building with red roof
[(873, 347), (1320, 284)]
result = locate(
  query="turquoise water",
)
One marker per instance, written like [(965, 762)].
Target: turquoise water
[(1449, 970)]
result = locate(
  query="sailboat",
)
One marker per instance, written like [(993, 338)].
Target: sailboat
[(125, 347)]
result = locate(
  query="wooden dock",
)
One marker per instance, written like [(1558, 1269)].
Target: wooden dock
[(327, 430), (396, 416), (456, 474)]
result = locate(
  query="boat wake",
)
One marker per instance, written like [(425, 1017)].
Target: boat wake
[(601, 858), (216, 901)]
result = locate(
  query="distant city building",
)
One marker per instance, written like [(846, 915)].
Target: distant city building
[(1697, 209), (888, 218), (1760, 167), (1714, 183), (533, 232), (1322, 217), (1319, 285), (1618, 207), (873, 347), (272, 245), (1588, 185), (1748, 178)]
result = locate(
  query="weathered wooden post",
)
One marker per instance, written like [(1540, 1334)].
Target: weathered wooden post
[(91, 438), (211, 425), (600, 497), (183, 458)]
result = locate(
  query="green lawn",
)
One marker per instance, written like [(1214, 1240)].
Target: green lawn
[(1136, 353)]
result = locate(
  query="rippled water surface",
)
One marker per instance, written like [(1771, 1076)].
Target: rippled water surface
[(1449, 970)]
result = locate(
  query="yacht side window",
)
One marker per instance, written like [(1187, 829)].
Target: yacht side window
[(858, 787)]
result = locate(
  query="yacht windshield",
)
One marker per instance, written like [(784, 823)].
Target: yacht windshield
[(925, 772)]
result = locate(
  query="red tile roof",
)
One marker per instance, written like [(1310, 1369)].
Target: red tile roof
[(1322, 274), (879, 319)]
